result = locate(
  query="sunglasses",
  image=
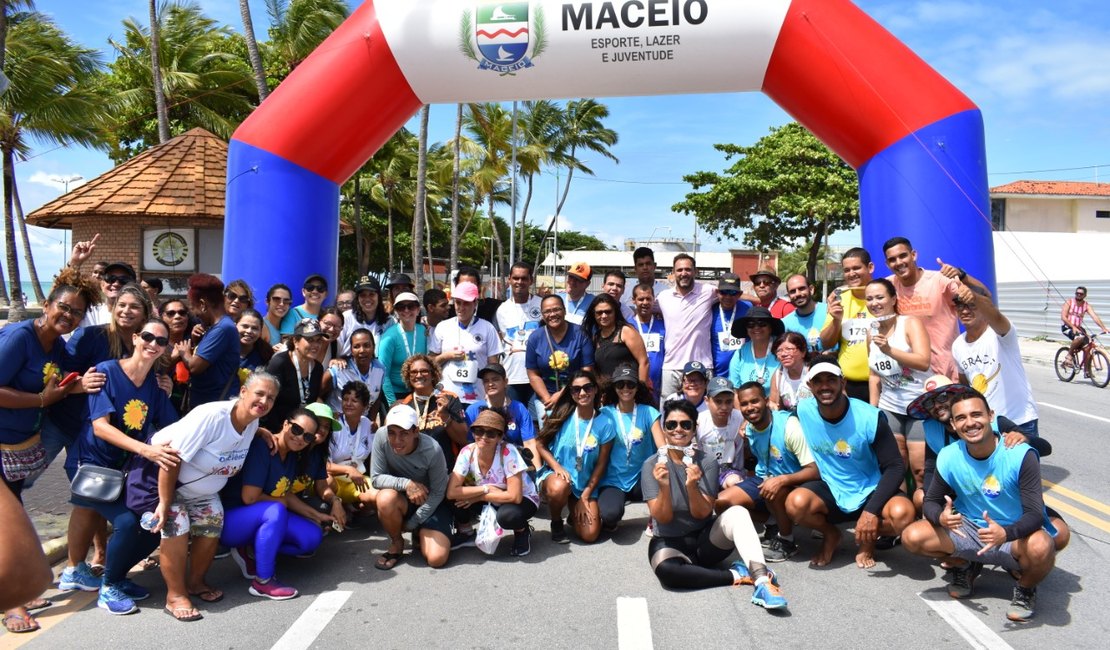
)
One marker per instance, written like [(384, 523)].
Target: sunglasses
[(624, 385), (150, 337), (729, 293), (281, 301), (72, 312), (603, 312), (1080, 294), (174, 313), (236, 297), (584, 388), (315, 288), (766, 281), (685, 425), (485, 433), (117, 279), (298, 430), (406, 306), (758, 323)]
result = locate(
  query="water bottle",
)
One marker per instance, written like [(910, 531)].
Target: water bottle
[(148, 521)]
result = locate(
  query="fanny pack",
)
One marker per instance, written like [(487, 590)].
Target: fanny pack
[(23, 459)]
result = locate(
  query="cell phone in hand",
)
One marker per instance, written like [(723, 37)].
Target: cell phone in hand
[(68, 379)]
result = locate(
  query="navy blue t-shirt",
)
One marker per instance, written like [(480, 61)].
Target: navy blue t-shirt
[(220, 348), (87, 347), (261, 469), (135, 410), (25, 366), (577, 346), (518, 428)]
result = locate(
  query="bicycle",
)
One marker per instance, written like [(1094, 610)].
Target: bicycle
[(1095, 364)]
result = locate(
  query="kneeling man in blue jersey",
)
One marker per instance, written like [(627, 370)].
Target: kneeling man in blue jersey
[(985, 506), (861, 469)]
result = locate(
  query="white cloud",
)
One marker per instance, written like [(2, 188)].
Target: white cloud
[(53, 180)]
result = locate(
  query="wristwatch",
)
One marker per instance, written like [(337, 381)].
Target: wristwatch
[(485, 489)]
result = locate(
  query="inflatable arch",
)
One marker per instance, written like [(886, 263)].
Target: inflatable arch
[(915, 140)]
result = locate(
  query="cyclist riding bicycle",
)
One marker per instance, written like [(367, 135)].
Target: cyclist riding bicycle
[(1072, 314)]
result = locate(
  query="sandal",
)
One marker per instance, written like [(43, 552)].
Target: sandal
[(208, 595), (38, 603), (149, 563), (184, 614), (386, 561), (27, 623)]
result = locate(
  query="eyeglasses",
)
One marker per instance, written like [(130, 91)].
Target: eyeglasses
[(281, 301), (485, 433), (624, 385), (419, 371), (236, 297), (174, 313), (693, 378), (72, 312), (117, 279), (344, 304), (963, 306), (685, 425), (762, 281), (603, 312), (786, 349), (584, 388), (298, 430), (316, 288), (150, 337)]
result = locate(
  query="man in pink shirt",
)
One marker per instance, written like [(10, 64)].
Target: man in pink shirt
[(688, 312), (930, 296)]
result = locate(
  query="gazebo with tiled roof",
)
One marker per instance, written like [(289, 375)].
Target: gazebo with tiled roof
[(162, 211)]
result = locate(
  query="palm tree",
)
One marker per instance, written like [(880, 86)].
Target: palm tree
[(538, 130), (392, 184), (421, 197), (7, 6), (156, 75), (252, 51), (298, 26), (52, 98), (580, 128), (456, 173), (490, 125)]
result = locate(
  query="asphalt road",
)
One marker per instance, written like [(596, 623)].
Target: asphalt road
[(574, 596)]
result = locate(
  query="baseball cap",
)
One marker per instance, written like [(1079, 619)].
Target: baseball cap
[(824, 367), (323, 412), (580, 270), (308, 328), (694, 367), (728, 282), (495, 368), (401, 415), (399, 279), (765, 271), (465, 291), (489, 419), (368, 283), (719, 385), (121, 265), (315, 278), (624, 372)]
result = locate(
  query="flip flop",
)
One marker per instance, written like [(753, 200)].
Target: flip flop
[(209, 595), (26, 619), (184, 614), (38, 603), (386, 561)]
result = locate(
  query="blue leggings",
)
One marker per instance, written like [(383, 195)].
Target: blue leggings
[(128, 544), (272, 529)]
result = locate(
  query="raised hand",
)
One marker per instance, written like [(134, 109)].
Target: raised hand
[(991, 536), (951, 519)]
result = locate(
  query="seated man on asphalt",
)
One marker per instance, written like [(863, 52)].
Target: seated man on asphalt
[(985, 506), (783, 462), (695, 382), (409, 471), (861, 469)]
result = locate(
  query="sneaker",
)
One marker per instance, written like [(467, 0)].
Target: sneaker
[(132, 590), (768, 596), (780, 550), (272, 589), (221, 552), (770, 532), (244, 558), (1023, 604), (650, 530), (462, 539), (79, 578), (114, 601), (963, 579), (559, 532), (887, 542), (522, 542), (746, 576), (610, 528)]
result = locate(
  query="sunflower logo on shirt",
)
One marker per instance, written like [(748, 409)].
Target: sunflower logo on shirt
[(134, 414), (590, 444), (635, 437), (281, 487), (49, 370)]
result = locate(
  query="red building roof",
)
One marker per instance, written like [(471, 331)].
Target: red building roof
[(1054, 188)]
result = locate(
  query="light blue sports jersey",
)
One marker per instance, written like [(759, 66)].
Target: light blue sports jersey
[(991, 485), (808, 326), (843, 451), (565, 449), (744, 367), (627, 458), (936, 438), (769, 446)]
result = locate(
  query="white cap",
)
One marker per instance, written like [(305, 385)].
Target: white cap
[(824, 367), (402, 415)]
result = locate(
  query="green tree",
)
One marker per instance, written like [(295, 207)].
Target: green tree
[(254, 54), (490, 127), (52, 99), (538, 131), (786, 188), (297, 27), (207, 82), (156, 75)]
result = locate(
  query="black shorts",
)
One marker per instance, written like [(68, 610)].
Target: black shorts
[(836, 515), (860, 390), (1073, 332), (440, 520), (695, 546)]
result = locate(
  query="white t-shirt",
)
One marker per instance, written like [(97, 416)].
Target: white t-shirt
[(992, 365), (704, 406), (351, 448), (516, 321), (341, 377), (211, 449), (723, 443), (479, 340)]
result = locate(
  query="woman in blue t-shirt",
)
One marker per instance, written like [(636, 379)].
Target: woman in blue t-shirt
[(262, 515), (121, 418), (638, 433), (553, 353), (575, 444), (254, 353)]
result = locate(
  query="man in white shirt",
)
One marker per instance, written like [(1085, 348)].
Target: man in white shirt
[(688, 313), (516, 319), (464, 344), (576, 298)]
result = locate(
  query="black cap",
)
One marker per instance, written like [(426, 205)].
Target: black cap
[(495, 368), (624, 372), (399, 278), (368, 283), (314, 278), (740, 325), (121, 265), (308, 328)]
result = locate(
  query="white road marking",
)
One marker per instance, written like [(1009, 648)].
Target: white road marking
[(312, 622), (965, 622), (633, 624), (1074, 412)]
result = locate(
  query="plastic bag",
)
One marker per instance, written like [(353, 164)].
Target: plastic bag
[(489, 532)]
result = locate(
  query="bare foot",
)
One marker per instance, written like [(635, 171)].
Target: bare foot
[(865, 559), (828, 547)]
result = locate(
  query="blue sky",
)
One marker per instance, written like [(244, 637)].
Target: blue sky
[(1039, 74)]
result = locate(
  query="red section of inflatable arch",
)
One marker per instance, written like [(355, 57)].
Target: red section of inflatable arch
[(852, 83), (314, 119)]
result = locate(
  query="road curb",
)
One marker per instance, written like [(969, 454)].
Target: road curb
[(1037, 361), (55, 549)]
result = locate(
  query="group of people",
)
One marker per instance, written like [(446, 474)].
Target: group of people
[(215, 425)]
